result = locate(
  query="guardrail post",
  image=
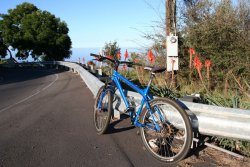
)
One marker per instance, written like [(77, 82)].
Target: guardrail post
[(99, 71)]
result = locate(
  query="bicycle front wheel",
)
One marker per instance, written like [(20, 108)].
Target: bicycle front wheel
[(172, 142), (102, 110)]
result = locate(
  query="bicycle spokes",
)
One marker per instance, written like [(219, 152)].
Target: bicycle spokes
[(172, 141), (102, 110)]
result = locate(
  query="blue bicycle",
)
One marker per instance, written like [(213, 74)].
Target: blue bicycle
[(165, 127)]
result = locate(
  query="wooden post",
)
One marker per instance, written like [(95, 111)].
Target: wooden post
[(170, 17), (170, 27)]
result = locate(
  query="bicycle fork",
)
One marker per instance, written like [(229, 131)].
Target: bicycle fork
[(100, 105)]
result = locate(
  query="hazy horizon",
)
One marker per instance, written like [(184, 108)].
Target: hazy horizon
[(83, 52)]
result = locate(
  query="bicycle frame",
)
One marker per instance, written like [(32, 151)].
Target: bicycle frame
[(145, 99)]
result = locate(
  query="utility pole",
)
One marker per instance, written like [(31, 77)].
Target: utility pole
[(171, 40), (170, 17)]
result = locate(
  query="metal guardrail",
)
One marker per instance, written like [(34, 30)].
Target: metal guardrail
[(206, 119)]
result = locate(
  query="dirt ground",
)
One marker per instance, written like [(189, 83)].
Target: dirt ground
[(211, 157)]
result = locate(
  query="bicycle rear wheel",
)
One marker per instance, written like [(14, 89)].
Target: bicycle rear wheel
[(172, 143), (102, 110)]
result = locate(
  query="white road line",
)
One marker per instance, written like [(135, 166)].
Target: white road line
[(50, 83), (23, 100)]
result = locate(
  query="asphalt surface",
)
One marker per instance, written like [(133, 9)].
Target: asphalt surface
[(46, 119)]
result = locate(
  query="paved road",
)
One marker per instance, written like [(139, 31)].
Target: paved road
[(46, 120)]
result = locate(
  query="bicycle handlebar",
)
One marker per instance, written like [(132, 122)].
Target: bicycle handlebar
[(116, 62), (129, 64)]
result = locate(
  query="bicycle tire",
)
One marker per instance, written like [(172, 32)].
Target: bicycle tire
[(165, 145), (102, 116)]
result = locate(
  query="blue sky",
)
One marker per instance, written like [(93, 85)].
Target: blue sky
[(94, 22)]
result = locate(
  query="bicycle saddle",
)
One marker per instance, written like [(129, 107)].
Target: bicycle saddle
[(155, 69)]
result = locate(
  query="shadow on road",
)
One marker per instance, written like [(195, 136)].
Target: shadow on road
[(120, 125), (14, 75), (123, 124)]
